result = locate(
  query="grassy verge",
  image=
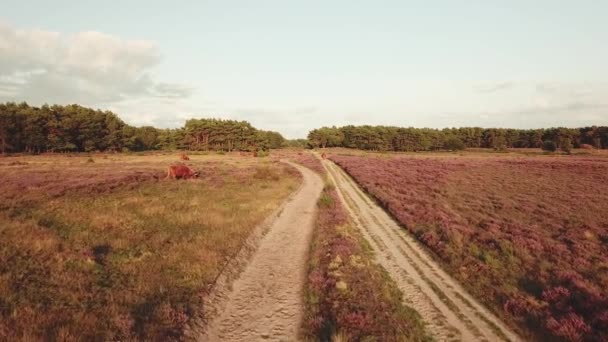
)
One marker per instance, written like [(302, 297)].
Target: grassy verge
[(98, 256), (348, 295)]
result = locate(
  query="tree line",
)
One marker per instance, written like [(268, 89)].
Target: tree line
[(73, 128), (390, 138)]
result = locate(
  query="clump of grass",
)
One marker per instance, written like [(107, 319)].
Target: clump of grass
[(326, 200), (90, 160)]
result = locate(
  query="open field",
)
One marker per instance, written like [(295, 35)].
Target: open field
[(527, 234), (101, 249)]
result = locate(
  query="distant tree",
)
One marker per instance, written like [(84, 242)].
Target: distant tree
[(453, 144), (300, 143), (326, 137), (390, 138), (74, 128), (273, 139), (566, 146), (549, 146)]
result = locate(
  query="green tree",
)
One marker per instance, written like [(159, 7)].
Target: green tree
[(326, 137), (549, 146), (453, 144)]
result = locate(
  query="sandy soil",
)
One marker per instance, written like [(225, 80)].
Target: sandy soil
[(449, 312), (265, 302)]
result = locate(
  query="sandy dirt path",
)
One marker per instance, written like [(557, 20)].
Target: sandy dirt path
[(265, 302), (449, 312)]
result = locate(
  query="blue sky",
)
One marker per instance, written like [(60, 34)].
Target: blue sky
[(292, 65)]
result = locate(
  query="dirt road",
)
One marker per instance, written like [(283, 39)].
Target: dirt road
[(266, 300), (450, 313)]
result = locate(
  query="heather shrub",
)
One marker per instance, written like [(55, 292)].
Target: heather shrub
[(306, 159)]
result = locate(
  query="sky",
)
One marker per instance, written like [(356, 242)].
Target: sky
[(291, 66)]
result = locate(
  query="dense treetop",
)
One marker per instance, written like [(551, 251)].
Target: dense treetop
[(389, 138), (74, 128)]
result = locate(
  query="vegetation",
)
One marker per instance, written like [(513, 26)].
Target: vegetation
[(549, 146), (528, 236), (104, 251), (73, 128), (388, 138), (453, 144), (301, 157), (348, 295), (296, 143)]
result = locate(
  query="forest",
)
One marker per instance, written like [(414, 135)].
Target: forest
[(74, 128), (390, 138)]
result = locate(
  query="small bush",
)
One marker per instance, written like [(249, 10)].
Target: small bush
[(549, 146), (325, 200), (90, 160)]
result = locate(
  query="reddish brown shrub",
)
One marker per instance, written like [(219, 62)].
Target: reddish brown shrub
[(572, 327)]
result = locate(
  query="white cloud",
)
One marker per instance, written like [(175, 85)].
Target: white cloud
[(87, 68)]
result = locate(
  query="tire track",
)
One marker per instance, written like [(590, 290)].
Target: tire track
[(449, 312)]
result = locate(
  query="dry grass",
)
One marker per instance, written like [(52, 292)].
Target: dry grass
[(527, 234), (103, 250)]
